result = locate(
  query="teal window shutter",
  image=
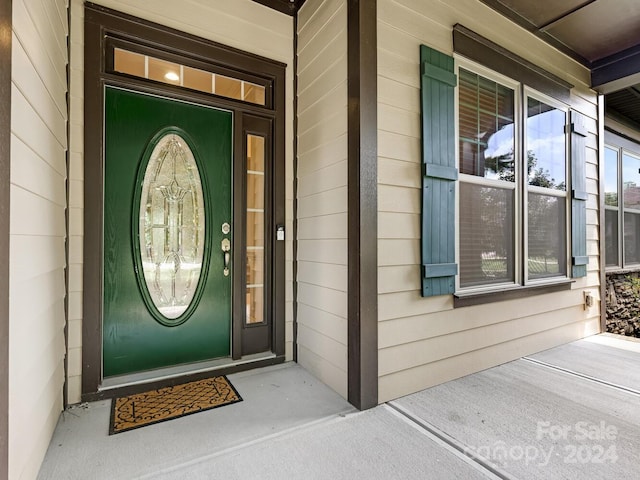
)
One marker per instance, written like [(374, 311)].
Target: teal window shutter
[(439, 173), (579, 258)]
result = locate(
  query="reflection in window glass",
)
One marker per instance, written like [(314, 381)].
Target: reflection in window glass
[(630, 181), (255, 304), (611, 237), (631, 236), (486, 235), (228, 87), (611, 213), (546, 150), (129, 62), (486, 117), (254, 295), (253, 93), (513, 219), (165, 72), (255, 227), (197, 79), (611, 177), (547, 236)]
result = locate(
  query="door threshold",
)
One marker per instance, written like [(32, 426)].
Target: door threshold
[(180, 371)]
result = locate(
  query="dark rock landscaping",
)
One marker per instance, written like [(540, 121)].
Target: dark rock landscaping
[(623, 303)]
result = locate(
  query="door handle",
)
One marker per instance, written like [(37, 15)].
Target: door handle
[(225, 245)]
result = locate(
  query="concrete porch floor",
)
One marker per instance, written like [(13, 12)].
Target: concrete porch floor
[(569, 412)]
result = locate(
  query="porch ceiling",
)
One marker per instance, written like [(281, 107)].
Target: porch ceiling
[(603, 35)]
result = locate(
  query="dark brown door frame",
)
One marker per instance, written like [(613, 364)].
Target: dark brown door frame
[(5, 165), (363, 204), (101, 25), (254, 338)]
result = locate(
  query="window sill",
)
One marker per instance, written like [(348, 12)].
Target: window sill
[(622, 271), (470, 299)]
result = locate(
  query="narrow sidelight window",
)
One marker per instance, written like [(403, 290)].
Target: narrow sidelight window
[(255, 229)]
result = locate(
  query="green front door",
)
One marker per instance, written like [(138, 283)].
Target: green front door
[(167, 215)]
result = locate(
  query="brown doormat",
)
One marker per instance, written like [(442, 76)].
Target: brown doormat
[(142, 409)]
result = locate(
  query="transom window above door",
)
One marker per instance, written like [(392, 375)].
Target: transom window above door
[(151, 68), (143, 62)]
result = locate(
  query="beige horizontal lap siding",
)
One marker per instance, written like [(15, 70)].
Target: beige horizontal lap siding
[(241, 24), (37, 230), (322, 191), (425, 341)]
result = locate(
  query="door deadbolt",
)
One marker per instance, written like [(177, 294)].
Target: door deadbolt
[(226, 228)]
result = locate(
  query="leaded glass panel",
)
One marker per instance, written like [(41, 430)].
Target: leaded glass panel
[(172, 226)]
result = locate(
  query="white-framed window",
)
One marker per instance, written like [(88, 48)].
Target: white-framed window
[(512, 206), (622, 206)]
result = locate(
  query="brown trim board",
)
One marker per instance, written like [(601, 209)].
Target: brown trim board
[(5, 166), (482, 50), (294, 234), (601, 215), (509, 294), (65, 387), (103, 25), (238, 169), (92, 264), (363, 204), (258, 337), (606, 71)]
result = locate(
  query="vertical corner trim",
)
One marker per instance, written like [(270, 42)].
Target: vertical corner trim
[(601, 215), (295, 188), (5, 166), (363, 204)]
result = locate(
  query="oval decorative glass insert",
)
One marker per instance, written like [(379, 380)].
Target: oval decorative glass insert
[(172, 222)]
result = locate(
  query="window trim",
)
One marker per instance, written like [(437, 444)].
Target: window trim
[(527, 93), (467, 299), (622, 210), (474, 67), (477, 48), (631, 148), (521, 282)]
